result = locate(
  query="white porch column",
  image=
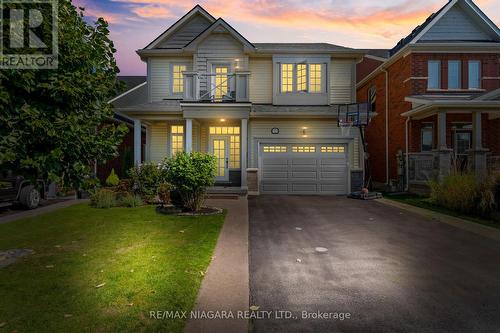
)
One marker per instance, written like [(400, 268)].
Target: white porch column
[(443, 152), (441, 139), (244, 155), (477, 155), (189, 135), (137, 142), (477, 131)]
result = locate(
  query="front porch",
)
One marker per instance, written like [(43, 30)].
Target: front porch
[(449, 140), (224, 137)]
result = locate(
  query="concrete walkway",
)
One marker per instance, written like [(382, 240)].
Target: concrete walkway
[(470, 226), (226, 283), (39, 211)]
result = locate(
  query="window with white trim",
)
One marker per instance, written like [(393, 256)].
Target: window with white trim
[(315, 78), (286, 78), (474, 74), (302, 77), (303, 149), (434, 74), (274, 149), (427, 137), (178, 78), (454, 74), (176, 139)]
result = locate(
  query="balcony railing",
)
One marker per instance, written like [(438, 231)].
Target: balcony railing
[(216, 88)]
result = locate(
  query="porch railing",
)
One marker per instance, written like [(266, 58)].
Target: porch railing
[(422, 167), (228, 88)]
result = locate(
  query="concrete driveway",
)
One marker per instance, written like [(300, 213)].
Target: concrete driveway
[(390, 270)]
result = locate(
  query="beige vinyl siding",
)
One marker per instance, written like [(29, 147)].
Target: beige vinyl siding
[(186, 33), (220, 48), (342, 83), (292, 130), (261, 80), (160, 77), (158, 146)]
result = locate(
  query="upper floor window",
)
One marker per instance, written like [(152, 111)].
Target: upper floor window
[(178, 79), (301, 78), (434, 74), (315, 78), (286, 78), (474, 74), (176, 139), (454, 74)]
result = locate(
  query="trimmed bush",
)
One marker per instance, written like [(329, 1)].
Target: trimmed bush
[(112, 179), (465, 193), (145, 180), (191, 174), (103, 198), (164, 193), (131, 200)]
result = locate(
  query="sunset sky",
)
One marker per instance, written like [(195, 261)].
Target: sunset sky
[(358, 24)]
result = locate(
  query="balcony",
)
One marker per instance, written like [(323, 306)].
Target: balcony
[(216, 88)]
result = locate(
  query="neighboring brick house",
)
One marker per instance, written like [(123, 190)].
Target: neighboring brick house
[(436, 97), (125, 159)]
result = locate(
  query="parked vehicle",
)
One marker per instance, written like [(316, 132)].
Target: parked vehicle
[(16, 189)]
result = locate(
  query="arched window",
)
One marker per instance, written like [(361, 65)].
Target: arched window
[(372, 98)]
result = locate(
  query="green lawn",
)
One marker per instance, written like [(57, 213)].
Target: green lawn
[(424, 202), (148, 262)]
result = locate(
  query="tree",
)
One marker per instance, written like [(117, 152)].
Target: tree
[(53, 122)]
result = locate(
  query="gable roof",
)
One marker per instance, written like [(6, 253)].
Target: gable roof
[(420, 31), (132, 81), (197, 10), (218, 24)]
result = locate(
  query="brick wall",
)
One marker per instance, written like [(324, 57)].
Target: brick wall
[(365, 67), (405, 80)]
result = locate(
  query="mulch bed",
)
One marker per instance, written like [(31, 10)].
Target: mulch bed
[(171, 210)]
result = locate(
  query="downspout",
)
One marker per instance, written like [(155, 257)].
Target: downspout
[(407, 158), (386, 126)]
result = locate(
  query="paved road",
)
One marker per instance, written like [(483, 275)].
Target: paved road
[(392, 271)]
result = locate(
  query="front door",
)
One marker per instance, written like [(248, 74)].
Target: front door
[(219, 146), (462, 144)]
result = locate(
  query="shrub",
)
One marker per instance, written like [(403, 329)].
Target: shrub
[(103, 198), (175, 199), (164, 193), (91, 184), (131, 200), (145, 180), (464, 193), (112, 179), (191, 174)]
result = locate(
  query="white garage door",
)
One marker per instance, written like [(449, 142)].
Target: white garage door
[(304, 169)]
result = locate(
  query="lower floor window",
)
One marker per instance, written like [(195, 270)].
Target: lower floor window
[(427, 137), (176, 139)]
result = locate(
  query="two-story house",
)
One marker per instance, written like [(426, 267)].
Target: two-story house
[(267, 111), (436, 99)]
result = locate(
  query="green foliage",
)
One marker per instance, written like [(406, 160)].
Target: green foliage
[(54, 121), (164, 193), (146, 179), (103, 198), (112, 179), (464, 193), (127, 157), (191, 174), (90, 184), (131, 201)]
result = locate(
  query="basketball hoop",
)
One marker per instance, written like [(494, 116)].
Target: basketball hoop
[(345, 126)]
